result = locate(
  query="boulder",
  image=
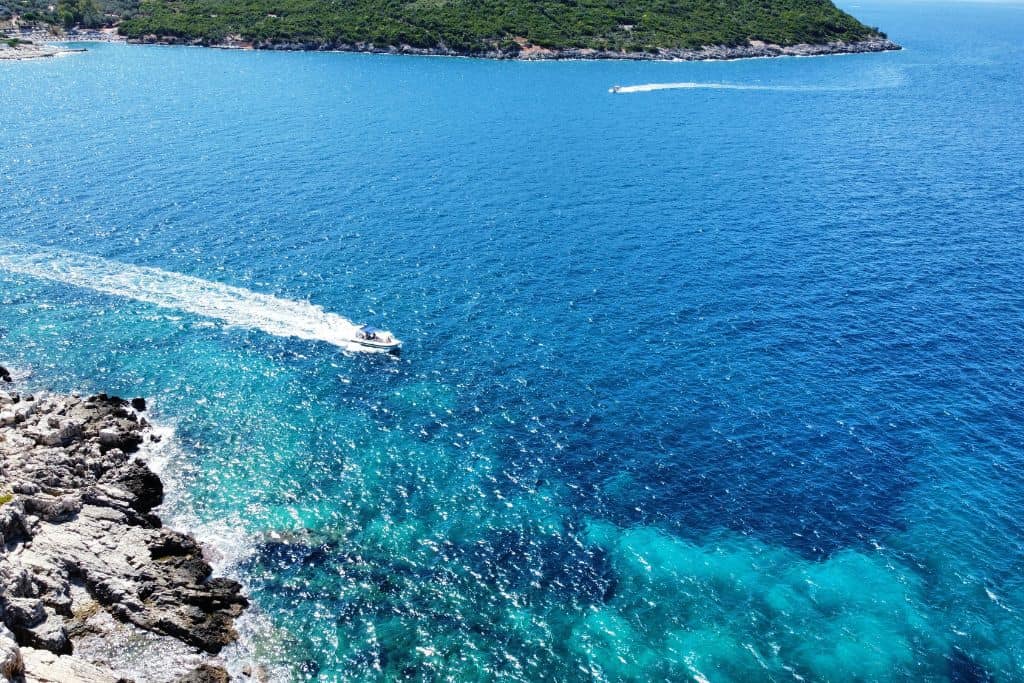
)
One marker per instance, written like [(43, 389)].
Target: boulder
[(145, 488), (22, 613), (50, 635), (206, 673), (126, 440)]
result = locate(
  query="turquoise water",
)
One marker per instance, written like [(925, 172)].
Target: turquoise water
[(711, 383)]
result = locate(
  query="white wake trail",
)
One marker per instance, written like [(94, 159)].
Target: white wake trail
[(689, 85), (881, 78), (234, 306)]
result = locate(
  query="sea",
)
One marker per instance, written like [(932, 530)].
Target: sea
[(717, 378)]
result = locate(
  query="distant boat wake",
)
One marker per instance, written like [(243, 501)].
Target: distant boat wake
[(651, 87), (690, 85), (234, 306)]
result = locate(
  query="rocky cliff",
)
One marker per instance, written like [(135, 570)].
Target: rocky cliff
[(92, 586)]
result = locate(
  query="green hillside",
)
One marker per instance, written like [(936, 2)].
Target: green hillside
[(477, 26), (68, 13)]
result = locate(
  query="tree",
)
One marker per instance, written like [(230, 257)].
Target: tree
[(83, 13)]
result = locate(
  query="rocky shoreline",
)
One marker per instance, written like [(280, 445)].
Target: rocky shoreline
[(527, 52), (92, 587), (29, 43), (32, 50), (524, 51)]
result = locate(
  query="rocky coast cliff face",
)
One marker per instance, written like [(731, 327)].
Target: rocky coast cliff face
[(92, 586), (755, 49)]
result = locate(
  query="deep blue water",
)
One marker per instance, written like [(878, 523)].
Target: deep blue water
[(705, 383)]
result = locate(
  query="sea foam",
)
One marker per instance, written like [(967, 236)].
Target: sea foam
[(232, 305)]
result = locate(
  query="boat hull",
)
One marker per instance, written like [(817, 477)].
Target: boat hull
[(392, 347)]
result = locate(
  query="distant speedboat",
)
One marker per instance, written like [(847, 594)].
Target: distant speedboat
[(615, 88), (373, 338)]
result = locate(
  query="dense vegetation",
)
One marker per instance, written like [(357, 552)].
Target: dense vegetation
[(68, 13), (479, 25)]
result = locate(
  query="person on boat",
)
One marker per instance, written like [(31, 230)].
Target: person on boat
[(371, 334)]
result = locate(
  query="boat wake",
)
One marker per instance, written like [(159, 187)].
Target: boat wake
[(884, 78), (688, 85), (234, 306)]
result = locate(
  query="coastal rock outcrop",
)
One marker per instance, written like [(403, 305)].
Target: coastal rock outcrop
[(528, 52), (79, 539), (16, 49)]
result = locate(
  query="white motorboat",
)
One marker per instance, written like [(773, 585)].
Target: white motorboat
[(373, 338)]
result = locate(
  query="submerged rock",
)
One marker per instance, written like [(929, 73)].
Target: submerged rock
[(77, 526)]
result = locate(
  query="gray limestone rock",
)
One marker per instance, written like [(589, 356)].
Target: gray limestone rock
[(79, 518), (43, 666)]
